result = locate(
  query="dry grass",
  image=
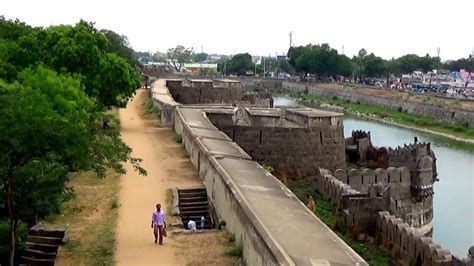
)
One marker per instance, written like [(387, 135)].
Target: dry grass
[(203, 249), (90, 219)]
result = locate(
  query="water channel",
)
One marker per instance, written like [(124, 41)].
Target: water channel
[(454, 193)]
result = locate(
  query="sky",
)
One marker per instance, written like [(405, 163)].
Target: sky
[(387, 28)]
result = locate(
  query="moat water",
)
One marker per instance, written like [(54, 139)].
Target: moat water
[(454, 194)]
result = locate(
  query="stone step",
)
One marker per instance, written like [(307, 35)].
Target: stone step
[(42, 247), (201, 212), (44, 240), (191, 189), (37, 254), (194, 203), (59, 233), (192, 199), (193, 208), (192, 194), (37, 262)]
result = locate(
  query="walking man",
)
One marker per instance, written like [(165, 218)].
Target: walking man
[(158, 223)]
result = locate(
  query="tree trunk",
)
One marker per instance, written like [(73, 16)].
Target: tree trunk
[(13, 223)]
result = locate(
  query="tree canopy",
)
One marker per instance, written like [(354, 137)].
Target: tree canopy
[(54, 85), (179, 55), (239, 64), (79, 49), (321, 60)]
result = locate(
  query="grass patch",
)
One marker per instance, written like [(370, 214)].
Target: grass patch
[(149, 109), (235, 249), (178, 138), (90, 217), (327, 211), (269, 168)]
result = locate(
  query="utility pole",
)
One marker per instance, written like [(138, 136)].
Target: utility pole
[(439, 50), (263, 66), (291, 38)]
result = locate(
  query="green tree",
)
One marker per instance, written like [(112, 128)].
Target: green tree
[(179, 55), (200, 57), (374, 66), (79, 49), (239, 64), (50, 127), (119, 44)]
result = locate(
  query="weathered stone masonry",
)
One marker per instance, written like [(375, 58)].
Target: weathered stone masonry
[(295, 141)]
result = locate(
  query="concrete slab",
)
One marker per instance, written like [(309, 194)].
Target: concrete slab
[(195, 118), (200, 80), (303, 236), (313, 113), (209, 133), (264, 112), (224, 148)]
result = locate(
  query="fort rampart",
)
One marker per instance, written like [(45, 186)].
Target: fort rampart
[(364, 198), (443, 114), (243, 194)]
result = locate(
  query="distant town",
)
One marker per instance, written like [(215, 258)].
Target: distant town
[(419, 74)]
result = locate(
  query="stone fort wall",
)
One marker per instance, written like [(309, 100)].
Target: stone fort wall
[(202, 91), (294, 151), (367, 207)]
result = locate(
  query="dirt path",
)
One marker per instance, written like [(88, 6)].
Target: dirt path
[(167, 166)]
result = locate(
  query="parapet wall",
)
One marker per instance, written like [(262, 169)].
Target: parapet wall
[(367, 210), (412, 246), (202, 91), (242, 193), (291, 141)]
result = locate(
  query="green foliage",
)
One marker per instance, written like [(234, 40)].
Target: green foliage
[(328, 213), (80, 49), (463, 63), (119, 45), (179, 55), (240, 64), (235, 249), (200, 57), (221, 224), (22, 233), (178, 138), (231, 237), (54, 85), (321, 60), (269, 168)]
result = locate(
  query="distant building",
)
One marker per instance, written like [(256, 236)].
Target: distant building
[(199, 68), (281, 57)]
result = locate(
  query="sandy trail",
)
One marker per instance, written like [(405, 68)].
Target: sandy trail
[(167, 166)]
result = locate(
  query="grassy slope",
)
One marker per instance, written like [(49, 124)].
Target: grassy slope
[(90, 218)]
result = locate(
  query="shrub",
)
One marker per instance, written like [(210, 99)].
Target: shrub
[(269, 168), (221, 224), (235, 250), (230, 237), (178, 138), (22, 233)]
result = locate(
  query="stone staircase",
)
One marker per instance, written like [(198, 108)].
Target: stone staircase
[(42, 246), (193, 204)]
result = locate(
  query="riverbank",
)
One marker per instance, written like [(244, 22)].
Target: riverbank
[(458, 132)]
